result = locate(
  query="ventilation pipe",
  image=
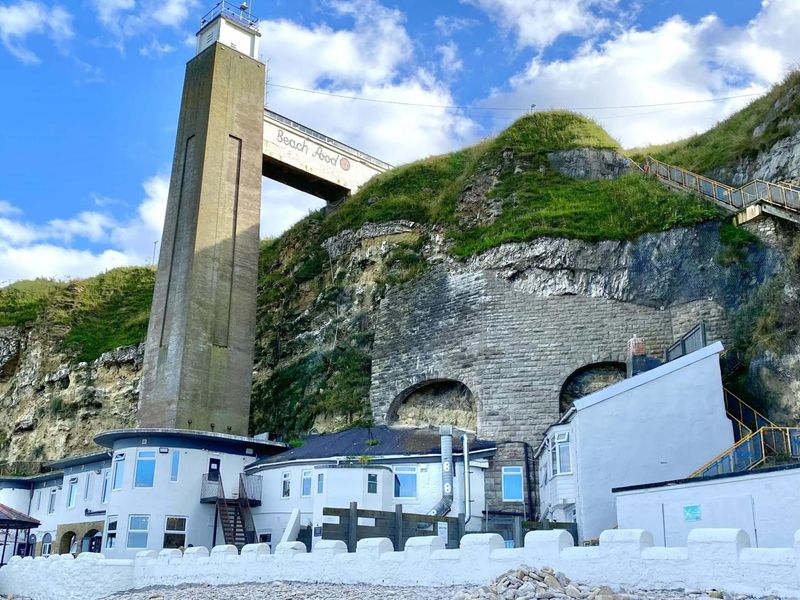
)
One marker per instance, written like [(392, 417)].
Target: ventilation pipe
[(467, 493), (443, 506)]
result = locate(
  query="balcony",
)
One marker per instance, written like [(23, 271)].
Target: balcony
[(250, 485)]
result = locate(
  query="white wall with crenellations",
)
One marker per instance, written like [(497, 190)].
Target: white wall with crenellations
[(713, 558)]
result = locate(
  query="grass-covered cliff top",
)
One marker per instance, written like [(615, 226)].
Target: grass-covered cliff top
[(90, 316), (537, 201), (736, 137)]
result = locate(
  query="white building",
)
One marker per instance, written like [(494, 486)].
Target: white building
[(378, 468), (659, 425), (762, 502)]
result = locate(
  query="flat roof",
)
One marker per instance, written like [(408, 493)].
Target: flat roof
[(675, 482), (107, 438)]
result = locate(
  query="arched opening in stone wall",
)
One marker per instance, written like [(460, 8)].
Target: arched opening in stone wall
[(435, 402), (68, 544), (589, 379), (91, 541)]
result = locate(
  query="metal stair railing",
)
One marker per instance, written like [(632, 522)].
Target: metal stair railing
[(753, 450), (248, 524), (758, 190), (745, 417)]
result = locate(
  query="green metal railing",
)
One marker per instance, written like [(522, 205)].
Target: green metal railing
[(777, 194)]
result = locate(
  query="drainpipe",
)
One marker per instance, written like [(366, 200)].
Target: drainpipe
[(467, 483), (443, 506), (526, 446)]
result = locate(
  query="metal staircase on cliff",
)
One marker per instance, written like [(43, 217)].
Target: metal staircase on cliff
[(233, 514), (758, 441), (748, 202)]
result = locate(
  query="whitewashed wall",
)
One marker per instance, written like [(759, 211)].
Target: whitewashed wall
[(658, 426), (764, 504), (714, 558)]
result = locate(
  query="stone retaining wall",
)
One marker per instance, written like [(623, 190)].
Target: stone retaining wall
[(714, 558)]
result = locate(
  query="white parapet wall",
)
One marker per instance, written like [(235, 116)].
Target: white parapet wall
[(713, 558)]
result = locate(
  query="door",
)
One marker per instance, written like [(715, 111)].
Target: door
[(213, 469)]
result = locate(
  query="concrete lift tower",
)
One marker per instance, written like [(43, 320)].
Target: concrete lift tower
[(198, 362)]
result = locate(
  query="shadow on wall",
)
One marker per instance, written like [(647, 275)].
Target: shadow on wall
[(434, 402), (589, 379)]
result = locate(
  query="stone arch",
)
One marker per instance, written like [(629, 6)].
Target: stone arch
[(435, 401), (588, 379), (47, 545), (68, 543)]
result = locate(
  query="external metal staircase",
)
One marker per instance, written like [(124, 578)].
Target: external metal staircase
[(758, 441), (758, 197), (234, 514)]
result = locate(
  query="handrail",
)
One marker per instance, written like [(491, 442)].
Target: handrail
[(243, 16), (248, 524), (789, 438), (758, 416), (757, 190)]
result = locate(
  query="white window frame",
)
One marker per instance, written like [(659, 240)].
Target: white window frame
[(372, 478), (145, 459), (307, 475), (119, 463), (175, 531), (175, 466), (72, 492), (559, 440), (513, 471), (286, 484), (320, 482), (87, 486), (51, 501), (106, 489), (408, 469), (38, 500), (47, 547), (131, 530)]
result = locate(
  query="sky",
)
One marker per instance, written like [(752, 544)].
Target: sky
[(91, 91)]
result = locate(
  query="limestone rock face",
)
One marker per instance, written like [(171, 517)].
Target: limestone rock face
[(590, 163), (52, 407)]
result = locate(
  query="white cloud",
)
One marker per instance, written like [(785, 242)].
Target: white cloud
[(675, 61), (125, 19), (538, 23), (156, 49), (6, 208), (451, 61), (283, 206), (58, 248), (448, 25), (23, 19)]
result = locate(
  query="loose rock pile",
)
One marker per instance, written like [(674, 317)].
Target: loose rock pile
[(529, 583)]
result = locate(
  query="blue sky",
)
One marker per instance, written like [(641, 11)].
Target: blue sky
[(91, 92)]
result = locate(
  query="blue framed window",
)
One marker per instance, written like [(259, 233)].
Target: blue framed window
[(512, 484), (119, 472), (145, 468), (305, 488)]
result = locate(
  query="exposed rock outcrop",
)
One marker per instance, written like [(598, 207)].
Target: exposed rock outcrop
[(590, 163)]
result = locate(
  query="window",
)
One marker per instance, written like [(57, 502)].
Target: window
[(51, 505), (47, 545), (87, 486), (320, 482), (138, 525), (265, 538), (111, 532), (106, 485), (72, 492), (559, 454), (145, 468), (175, 532), (512, 484), (286, 484), (119, 472), (38, 499), (176, 465), (405, 482), (305, 488), (372, 483)]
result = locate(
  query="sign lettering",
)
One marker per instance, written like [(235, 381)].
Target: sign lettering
[(319, 153), (294, 144)]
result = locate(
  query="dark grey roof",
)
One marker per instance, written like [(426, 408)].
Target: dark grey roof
[(391, 441)]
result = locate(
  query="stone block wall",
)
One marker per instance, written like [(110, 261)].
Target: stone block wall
[(713, 558)]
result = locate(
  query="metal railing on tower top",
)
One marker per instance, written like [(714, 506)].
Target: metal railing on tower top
[(236, 12), (736, 199)]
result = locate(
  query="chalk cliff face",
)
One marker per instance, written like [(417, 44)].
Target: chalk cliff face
[(384, 322)]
